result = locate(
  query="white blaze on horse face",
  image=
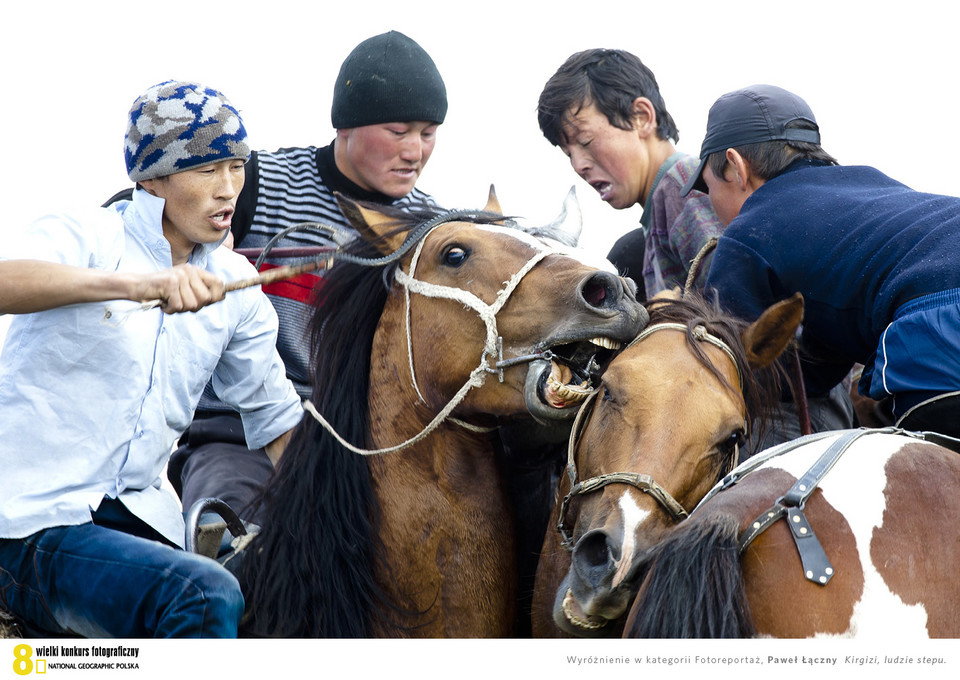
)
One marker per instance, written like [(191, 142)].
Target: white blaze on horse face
[(580, 255), (633, 516), (855, 488)]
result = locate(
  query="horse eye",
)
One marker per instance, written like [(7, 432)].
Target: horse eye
[(455, 256), (736, 438)]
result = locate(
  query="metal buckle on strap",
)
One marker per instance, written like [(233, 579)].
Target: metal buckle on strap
[(816, 565), (501, 363)]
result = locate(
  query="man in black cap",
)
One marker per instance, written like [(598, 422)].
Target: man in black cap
[(388, 101), (873, 258)]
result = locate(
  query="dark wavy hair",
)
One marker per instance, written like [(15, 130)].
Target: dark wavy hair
[(610, 80)]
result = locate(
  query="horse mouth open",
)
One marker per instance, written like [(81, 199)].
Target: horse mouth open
[(575, 620), (556, 388)]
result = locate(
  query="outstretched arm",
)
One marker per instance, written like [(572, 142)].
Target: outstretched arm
[(28, 286)]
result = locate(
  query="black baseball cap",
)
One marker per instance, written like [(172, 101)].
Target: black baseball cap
[(759, 113)]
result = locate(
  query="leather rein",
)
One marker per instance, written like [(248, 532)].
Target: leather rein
[(643, 482)]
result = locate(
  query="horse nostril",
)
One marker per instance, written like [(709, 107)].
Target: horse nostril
[(601, 290), (592, 549)]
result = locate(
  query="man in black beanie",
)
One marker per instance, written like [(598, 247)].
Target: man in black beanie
[(388, 101)]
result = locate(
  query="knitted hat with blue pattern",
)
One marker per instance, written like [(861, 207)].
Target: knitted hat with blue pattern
[(388, 78), (175, 125)]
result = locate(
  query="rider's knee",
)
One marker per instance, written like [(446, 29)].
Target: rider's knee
[(204, 602)]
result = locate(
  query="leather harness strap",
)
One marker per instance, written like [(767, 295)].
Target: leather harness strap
[(644, 483), (816, 565)]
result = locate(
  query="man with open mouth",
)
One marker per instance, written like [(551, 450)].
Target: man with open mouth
[(604, 110), (388, 102), (101, 373)]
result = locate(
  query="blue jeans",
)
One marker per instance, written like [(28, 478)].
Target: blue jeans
[(111, 578)]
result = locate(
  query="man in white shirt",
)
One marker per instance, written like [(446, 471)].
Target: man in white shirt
[(95, 387)]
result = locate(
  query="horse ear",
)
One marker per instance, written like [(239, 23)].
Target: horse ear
[(767, 337), (374, 227), (493, 204), (567, 226)]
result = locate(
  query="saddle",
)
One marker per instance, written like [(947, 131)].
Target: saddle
[(816, 565)]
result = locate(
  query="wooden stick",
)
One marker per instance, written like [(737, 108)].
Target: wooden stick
[(269, 276), (279, 274)]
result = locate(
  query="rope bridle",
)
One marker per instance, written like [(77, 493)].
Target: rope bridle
[(644, 483), (493, 342)]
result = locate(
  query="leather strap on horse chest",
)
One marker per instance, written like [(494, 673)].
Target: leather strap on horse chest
[(816, 565)]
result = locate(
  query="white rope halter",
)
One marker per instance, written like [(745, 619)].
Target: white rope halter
[(492, 343)]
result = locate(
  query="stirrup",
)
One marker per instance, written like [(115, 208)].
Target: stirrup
[(205, 539)]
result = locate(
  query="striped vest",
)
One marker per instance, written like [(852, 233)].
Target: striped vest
[(290, 191)]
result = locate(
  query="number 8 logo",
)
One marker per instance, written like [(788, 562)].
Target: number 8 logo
[(22, 664)]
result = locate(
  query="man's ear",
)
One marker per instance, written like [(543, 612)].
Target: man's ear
[(149, 185), (742, 172), (744, 176), (644, 116)]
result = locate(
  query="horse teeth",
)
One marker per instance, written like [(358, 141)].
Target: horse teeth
[(588, 623), (569, 392), (606, 343)]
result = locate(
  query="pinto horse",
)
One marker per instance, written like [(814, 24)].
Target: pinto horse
[(666, 423), (387, 515), (842, 534)]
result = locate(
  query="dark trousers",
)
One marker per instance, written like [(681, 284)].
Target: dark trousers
[(940, 414), (112, 578), (213, 461)]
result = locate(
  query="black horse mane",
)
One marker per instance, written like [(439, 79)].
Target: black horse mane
[(310, 570), (694, 587), (761, 388)]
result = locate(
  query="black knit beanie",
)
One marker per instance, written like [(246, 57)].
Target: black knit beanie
[(388, 78)]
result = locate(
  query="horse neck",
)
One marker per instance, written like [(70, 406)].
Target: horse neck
[(443, 513), (398, 413)]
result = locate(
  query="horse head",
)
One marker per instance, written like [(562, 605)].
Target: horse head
[(428, 330), (521, 310), (669, 420)]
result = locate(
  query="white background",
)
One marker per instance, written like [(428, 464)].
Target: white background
[(880, 76)]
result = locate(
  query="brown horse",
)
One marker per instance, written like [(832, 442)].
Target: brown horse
[(872, 549), (388, 514), (666, 424)]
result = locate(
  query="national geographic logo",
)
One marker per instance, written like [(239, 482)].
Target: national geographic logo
[(26, 660)]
